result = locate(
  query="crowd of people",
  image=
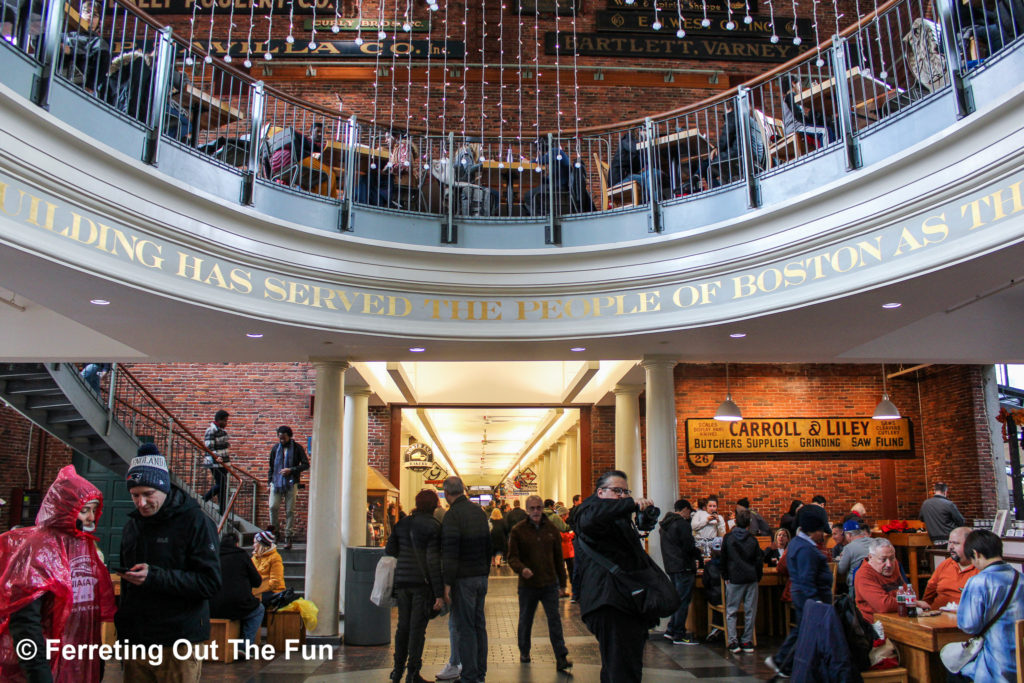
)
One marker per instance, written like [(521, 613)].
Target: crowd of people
[(176, 575)]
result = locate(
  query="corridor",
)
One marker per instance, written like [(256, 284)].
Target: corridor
[(662, 660)]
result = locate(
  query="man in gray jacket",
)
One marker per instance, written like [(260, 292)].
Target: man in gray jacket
[(857, 540)]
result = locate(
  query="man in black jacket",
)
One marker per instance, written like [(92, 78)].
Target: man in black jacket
[(416, 542), (466, 558), (235, 599), (515, 515), (680, 556), (287, 462), (604, 526), (170, 549), (742, 566)]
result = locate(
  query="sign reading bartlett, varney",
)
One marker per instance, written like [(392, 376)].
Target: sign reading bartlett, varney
[(798, 435)]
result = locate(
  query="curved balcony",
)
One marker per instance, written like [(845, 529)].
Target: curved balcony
[(908, 162)]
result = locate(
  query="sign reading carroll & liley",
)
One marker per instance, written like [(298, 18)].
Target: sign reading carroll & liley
[(798, 435)]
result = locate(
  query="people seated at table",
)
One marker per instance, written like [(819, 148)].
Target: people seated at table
[(630, 164), (997, 583), (777, 549), (992, 24), (129, 90), (816, 127), (85, 54), (555, 164), (878, 579), (788, 519), (839, 540), (950, 577), (725, 162), (282, 152), (758, 525), (858, 540)]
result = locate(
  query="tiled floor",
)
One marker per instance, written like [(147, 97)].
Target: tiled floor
[(662, 660)]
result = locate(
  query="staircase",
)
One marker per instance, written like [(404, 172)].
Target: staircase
[(294, 567), (109, 427)]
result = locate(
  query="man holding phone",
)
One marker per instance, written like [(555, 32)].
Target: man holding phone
[(170, 571)]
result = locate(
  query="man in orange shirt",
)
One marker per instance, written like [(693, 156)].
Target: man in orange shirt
[(950, 577)]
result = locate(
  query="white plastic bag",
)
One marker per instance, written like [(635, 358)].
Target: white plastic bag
[(383, 580)]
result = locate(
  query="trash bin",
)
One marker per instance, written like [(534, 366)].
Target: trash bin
[(365, 622)]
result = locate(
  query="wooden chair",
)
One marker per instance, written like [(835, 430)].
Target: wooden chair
[(721, 609), (222, 631), (627, 192), (779, 147), (284, 626)]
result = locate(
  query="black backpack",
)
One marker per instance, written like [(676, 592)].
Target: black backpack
[(859, 633)]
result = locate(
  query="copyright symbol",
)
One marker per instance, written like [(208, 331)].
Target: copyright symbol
[(26, 649)]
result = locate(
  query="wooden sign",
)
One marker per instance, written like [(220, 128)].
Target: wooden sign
[(564, 8), (798, 435), (374, 25), (686, 5), (416, 49), (669, 47), (759, 27), (700, 459)]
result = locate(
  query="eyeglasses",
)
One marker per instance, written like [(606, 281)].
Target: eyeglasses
[(616, 490)]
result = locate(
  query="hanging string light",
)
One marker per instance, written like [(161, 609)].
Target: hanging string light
[(231, 25), (657, 22), (312, 35), (536, 69), (465, 63), (248, 39), (290, 39), (394, 64), (483, 69), (705, 22), (270, 27), (819, 62), (558, 79), (796, 39), (576, 92), (501, 86), (883, 74), (729, 23), (445, 82), (191, 32), (771, 22), (747, 19), (336, 27), (359, 22), (519, 89), (209, 40), (680, 32)]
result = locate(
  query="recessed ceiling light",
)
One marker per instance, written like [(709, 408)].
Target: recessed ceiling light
[(99, 302), (577, 349), (738, 335), (417, 349), (254, 335), (892, 304)]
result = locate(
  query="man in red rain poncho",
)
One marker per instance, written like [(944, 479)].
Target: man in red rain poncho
[(54, 586)]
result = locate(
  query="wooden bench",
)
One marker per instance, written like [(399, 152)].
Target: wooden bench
[(283, 626), (897, 675), (221, 631)]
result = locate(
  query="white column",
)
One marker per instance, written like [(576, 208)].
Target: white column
[(627, 435), (353, 473), (662, 456), (323, 541), (544, 475), (572, 477)]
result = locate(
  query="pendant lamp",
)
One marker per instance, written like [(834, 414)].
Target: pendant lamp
[(728, 411), (886, 410)]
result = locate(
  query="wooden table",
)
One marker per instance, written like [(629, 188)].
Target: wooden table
[(505, 175), (769, 589), (687, 145), (911, 542), (919, 640), (860, 82), (200, 102)]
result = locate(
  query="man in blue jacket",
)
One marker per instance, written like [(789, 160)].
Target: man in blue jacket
[(810, 576)]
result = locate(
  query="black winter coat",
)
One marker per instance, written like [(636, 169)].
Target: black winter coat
[(238, 577), (605, 525), (742, 561), (515, 516), (416, 542), (179, 543), (465, 541), (678, 549), (713, 581)]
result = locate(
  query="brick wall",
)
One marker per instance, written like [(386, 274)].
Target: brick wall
[(950, 433), (19, 460), (259, 397)]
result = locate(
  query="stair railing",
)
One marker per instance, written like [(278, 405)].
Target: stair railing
[(143, 415)]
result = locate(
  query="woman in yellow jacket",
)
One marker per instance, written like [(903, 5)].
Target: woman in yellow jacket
[(269, 564)]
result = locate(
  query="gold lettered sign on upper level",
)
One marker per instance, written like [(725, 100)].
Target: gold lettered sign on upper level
[(798, 435)]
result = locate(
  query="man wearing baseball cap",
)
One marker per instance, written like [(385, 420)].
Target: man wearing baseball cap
[(810, 575), (170, 570)]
